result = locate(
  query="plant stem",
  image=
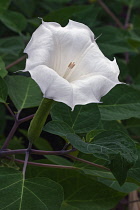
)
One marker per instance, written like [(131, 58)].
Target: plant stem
[(10, 110), (33, 151), (126, 26), (46, 165), (87, 162), (15, 126), (41, 152), (127, 17), (12, 152), (26, 159), (12, 132), (61, 152), (16, 62), (108, 11), (26, 118), (25, 164), (61, 166), (128, 14)]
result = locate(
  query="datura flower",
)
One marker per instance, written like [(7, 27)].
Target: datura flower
[(68, 65)]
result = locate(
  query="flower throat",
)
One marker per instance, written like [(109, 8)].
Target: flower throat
[(68, 70)]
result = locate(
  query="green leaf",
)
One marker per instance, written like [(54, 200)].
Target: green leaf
[(23, 91), (119, 166), (59, 160), (64, 14), (26, 6), (113, 40), (99, 174), (59, 128), (13, 20), (81, 192), (122, 102), (3, 91), (113, 125), (126, 188), (135, 22), (134, 40), (88, 16), (114, 146), (130, 3), (3, 71), (90, 136), (134, 65), (11, 46), (110, 49), (83, 119), (135, 170), (4, 4), (34, 193), (108, 32)]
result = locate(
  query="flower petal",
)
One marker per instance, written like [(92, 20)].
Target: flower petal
[(40, 49), (52, 85), (94, 62), (91, 89), (56, 46), (55, 52)]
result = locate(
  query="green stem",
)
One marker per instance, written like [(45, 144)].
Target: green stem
[(39, 119)]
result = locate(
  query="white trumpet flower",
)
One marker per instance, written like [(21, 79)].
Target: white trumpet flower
[(68, 65)]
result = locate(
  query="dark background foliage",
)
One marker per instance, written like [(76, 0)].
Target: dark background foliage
[(116, 25)]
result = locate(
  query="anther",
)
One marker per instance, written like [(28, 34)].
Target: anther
[(68, 70), (71, 65)]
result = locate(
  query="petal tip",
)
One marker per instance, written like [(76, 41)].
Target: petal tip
[(41, 19)]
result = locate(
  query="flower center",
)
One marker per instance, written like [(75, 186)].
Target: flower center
[(68, 70), (71, 65)]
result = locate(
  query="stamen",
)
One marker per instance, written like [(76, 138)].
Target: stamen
[(68, 70), (71, 65)]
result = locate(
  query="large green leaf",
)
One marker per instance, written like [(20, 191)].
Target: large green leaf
[(3, 91), (11, 46), (80, 191), (135, 170), (113, 40), (126, 188), (110, 49), (107, 32), (3, 71), (23, 91), (64, 14), (134, 64), (114, 146), (26, 6), (59, 128), (34, 193), (98, 173), (122, 102), (130, 3), (13, 20), (83, 119), (53, 5), (113, 125), (4, 4), (59, 160)]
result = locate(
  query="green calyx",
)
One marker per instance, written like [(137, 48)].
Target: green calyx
[(39, 119)]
